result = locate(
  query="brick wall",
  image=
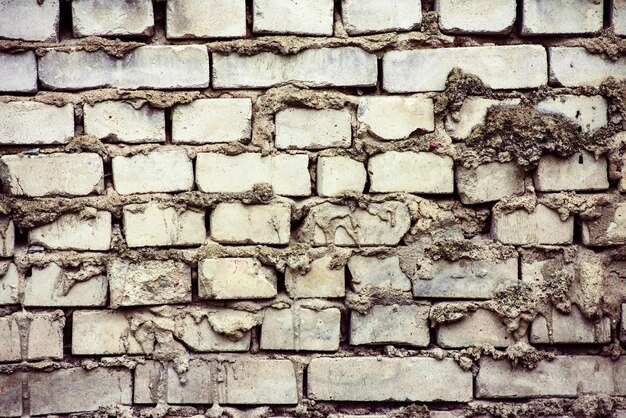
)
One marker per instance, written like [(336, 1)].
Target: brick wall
[(312, 208)]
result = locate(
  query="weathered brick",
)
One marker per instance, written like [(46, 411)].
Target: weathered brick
[(474, 279), (112, 17), (148, 377), (478, 16), (570, 328), (88, 230), (473, 113), (565, 376), (237, 381), (29, 20), (377, 272), (581, 171), (549, 17), (55, 286), (371, 16), (574, 66), (300, 328), (149, 282), (9, 283), (475, 329), (542, 226), (313, 67), (588, 112), (78, 390), (618, 17), (382, 224), (102, 332), (287, 174), (212, 120), (338, 175), (608, 229), (305, 17), (206, 19), (321, 281), (7, 236), (313, 129), (18, 72), (499, 67), (43, 333), (622, 329), (393, 324), (122, 122), (35, 123), (489, 182), (156, 225), (181, 66), (152, 172), (235, 223), (411, 379), (235, 278), (413, 172), (56, 174), (394, 117)]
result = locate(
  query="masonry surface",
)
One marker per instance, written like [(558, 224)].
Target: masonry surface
[(312, 208)]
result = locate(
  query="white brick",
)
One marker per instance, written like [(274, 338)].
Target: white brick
[(9, 283), (156, 225), (235, 278), (52, 174), (321, 281), (287, 174), (549, 17), (43, 336), (543, 226), (54, 286), (476, 329), (102, 332), (313, 129), (499, 67), (381, 224), (87, 231), (202, 336), (153, 172), (473, 113), (394, 324), (122, 122), (207, 121), (573, 67), (155, 67), (413, 172), (581, 171), (377, 272), (313, 67), (395, 117), (618, 16), (235, 223), (149, 282), (565, 376), (7, 236), (472, 279), (29, 20), (588, 112), (371, 16), (608, 229), (35, 123), (338, 175), (112, 17), (489, 182), (302, 17), (411, 379), (18, 72), (478, 16), (570, 328), (301, 329), (206, 19)]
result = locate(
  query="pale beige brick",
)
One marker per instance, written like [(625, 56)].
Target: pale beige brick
[(301, 329), (582, 171), (608, 229), (337, 175), (9, 283), (478, 16), (298, 128), (235, 278), (88, 230), (321, 281), (475, 329), (206, 19), (235, 223), (377, 272), (396, 117), (548, 17), (304, 17), (29, 20), (123, 122), (542, 226), (569, 328), (7, 236), (393, 324), (112, 17), (489, 182), (29, 123), (371, 16)]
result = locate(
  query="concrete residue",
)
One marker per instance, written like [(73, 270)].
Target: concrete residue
[(112, 47)]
